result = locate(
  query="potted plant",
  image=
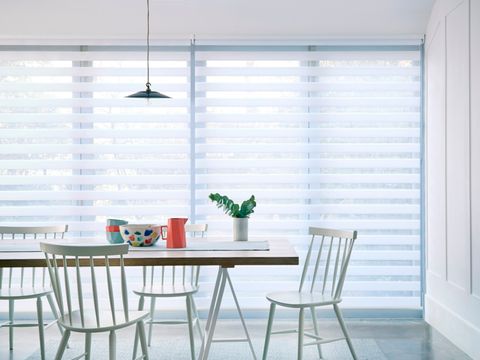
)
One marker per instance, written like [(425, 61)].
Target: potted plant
[(239, 213)]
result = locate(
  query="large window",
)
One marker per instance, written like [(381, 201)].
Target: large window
[(322, 136)]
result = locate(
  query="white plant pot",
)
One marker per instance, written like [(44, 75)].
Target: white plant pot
[(240, 229)]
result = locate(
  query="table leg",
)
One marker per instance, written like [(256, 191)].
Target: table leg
[(213, 313), (214, 299), (222, 278), (241, 315)]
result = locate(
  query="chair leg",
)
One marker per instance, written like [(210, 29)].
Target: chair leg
[(11, 308), (63, 345), (344, 330), (41, 327), (88, 346), (269, 330), (143, 340), (197, 322), (315, 327), (190, 326), (152, 313), (54, 311), (301, 318), (141, 304), (112, 344)]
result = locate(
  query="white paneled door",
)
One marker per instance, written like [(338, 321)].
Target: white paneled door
[(453, 147)]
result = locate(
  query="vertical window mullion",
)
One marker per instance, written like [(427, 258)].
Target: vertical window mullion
[(82, 64), (193, 137)]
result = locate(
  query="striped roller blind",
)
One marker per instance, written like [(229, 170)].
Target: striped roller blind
[(322, 137), (74, 150)]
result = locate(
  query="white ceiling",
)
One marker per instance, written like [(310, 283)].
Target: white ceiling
[(177, 19)]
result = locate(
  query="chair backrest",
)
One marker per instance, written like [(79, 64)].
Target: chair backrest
[(327, 261), (21, 277), (171, 275), (64, 263), (196, 228), (37, 232)]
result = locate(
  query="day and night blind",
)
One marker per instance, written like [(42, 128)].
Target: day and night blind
[(322, 136), (75, 150)]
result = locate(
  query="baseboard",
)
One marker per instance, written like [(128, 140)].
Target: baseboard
[(458, 330), (281, 313), (328, 313)]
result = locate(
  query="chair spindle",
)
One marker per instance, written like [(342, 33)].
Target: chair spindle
[(94, 291), (110, 289), (79, 290)]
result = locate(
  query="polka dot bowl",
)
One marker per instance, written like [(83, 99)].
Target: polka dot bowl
[(140, 234)]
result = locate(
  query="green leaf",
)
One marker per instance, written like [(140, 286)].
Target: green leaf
[(235, 210), (232, 209), (248, 206)]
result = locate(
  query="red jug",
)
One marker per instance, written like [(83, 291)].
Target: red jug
[(175, 231)]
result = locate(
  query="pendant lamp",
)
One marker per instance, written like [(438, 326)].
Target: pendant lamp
[(148, 93)]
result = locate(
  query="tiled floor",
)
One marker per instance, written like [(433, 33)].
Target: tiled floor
[(398, 339)]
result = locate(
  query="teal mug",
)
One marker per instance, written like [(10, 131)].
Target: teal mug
[(113, 231)]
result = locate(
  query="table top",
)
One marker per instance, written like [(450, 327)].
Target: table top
[(279, 252)]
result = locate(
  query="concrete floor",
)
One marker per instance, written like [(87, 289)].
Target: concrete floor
[(398, 339)]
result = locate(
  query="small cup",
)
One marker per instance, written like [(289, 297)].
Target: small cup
[(116, 222), (113, 231)]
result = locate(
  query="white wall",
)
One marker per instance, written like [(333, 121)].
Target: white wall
[(453, 172), (173, 19)]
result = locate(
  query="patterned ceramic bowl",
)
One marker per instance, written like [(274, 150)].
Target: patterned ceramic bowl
[(140, 234)]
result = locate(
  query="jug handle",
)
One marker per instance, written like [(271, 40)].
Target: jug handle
[(163, 233)]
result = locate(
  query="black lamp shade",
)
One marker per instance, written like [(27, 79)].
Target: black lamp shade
[(148, 94)]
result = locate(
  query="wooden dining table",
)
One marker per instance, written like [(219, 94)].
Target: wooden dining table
[(225, 255)]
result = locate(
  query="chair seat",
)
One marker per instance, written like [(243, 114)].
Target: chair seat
[(297, 299), (167, 290), (105, 324), (18, 293)]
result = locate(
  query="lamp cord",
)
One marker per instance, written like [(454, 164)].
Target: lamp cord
[(148, 45)]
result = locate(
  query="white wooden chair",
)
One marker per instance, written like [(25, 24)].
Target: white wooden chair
[(102, 317), (22, 283), (332, 255), (172, 281)]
